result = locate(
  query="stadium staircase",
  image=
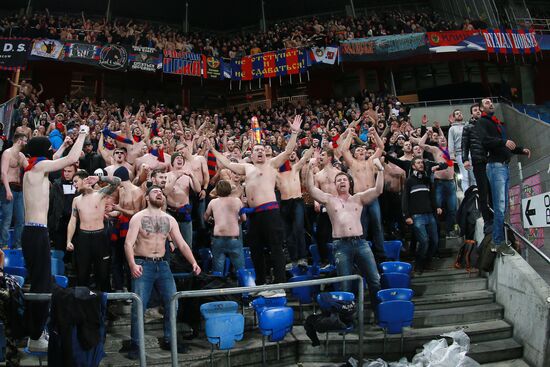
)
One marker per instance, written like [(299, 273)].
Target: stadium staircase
[(446, 299)]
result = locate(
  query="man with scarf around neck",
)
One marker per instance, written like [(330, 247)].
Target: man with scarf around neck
[(11, 195), (500, 148), (120, 160), (455, 149), (445, 187), (156, 158), (35, 240), (418, 209), (266, 225)]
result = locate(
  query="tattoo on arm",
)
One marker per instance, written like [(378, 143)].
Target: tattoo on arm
[(113, 184), (75, 212)]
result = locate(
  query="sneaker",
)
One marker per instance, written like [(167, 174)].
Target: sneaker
[(302, 262), (290, 266), (40, 345), (327, 267), (133, 352), (272, 293), (505, 249), (164, 344)]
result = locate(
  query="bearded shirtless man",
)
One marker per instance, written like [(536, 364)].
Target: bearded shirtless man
[(179, 183), (265, 221), (225, 210), (324, 180), (347, 231), (34, 239), (11, 195), (362, 172), (292, 206), (145, 249), (93, 247), (119, 160), (156, 158)]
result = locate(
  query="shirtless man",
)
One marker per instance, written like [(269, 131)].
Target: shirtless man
[(130, 201), (24, 128), (135, 150), (34, 239), (445, 188), (227, 229), (156, 158), (362, 172), (292, 206), (11, 196), (179, 184), (407, 151), (324, 180), (119, 160), (93, 248), (266, 226), (390, 200), (145, 249), (344, 211)]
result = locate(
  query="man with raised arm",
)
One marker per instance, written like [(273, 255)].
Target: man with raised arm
[(93, 248), (11, 195), (362, 172), (344, 210), (34, 239), (145, 249), (266, 227), (292, 206)]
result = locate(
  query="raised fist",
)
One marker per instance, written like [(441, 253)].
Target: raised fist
[(84, 129)]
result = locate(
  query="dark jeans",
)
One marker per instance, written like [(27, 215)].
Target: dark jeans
[(266, 230), (324, 235), (391, 211), (425, 229), (120, 267), (226, 246), (12, 209), (92, 251), (292, 212), (445, 198), (36, 251), (372, 216), (484, 191)]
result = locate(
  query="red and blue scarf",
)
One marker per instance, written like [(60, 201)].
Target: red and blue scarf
[(109, 133), (33, 161), (447, 157), (159, 153)]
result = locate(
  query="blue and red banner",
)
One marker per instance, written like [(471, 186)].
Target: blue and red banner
[(182, 63), (511, 41), (269, 64)]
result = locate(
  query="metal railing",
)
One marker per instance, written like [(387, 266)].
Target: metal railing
[(450, 102), (259, 288), (111, 297)]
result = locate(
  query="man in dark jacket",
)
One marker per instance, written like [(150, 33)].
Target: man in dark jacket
[(91, 160), (62, 194), (474, 156), (419, 206), (500, 149)]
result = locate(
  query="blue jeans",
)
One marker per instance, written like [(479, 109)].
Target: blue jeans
[(186, 229), (357, 252), (499, 177), (371, 215), (425, 229), (293, 213), (155, 274), (12, 209), (445, 198), (224, 246)]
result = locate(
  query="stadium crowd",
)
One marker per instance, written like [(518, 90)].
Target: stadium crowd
[(134, 190), (319, 31)]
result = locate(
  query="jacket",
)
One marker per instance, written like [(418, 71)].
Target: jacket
[(455, 138), (57, 205), (494, 137), (472, 146), (468, 213), (91, 161), (418, 196)]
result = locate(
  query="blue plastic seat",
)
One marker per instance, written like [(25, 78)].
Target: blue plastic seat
[(275, 323), (20, 280), (16, 270), (396, 267), (393, 249), (14, 258), (206, 259), (393, 316), (316, 257), (262, 303), (211, 309), (57, 254), (61, 281), (223, 330), (395, 294), (58, 267), (306, 294), (337, 296), (246, 278), (395, 280)]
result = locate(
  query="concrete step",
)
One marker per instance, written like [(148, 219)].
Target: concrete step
[(446, 300), (457, 315), (453, 243), (447, 273), (508, 363), (424, 288), (496, 350)]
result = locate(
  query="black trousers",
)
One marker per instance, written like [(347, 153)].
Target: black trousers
[(35, 244), (93, 251), (266, 230), (324, 234), (484, 190)]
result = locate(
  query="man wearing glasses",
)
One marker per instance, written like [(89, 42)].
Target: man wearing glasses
[(156, 158), (119, 160)]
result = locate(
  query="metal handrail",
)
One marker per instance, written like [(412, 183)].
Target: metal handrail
[(259, 288), (111, 297), (528, 243), (450, 101)]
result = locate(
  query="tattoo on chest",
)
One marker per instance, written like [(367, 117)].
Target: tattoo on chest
[(155, 224)]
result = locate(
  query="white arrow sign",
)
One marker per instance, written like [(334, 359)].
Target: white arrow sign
[(536, 211)]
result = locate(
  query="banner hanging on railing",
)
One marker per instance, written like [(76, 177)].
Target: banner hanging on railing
[(182, 63), (144, 59), (323, 55), (383, 47), (113, 57), (82, 53), (13, 53), (269, 64), (455, 41), (511, 41), (212, 67), (47, 48)]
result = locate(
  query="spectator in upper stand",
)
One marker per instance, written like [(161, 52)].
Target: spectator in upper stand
[(474, 157), (500, 148), (419, 206), (455, 148), (91, 160)]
